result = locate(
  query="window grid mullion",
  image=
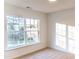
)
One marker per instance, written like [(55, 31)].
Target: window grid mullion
[(24, 31), (30, 27)]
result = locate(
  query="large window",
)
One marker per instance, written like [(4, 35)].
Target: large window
[(22, 31), (65, 37), (61, 35)]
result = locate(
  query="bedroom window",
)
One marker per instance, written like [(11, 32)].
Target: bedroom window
[(65, 37), (61, 35), (22, 31)]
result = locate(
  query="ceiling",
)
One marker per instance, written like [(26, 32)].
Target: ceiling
[(43, 5)]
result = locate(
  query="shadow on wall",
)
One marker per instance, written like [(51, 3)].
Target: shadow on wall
[(65, 37)]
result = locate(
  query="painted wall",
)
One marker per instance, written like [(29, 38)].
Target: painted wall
[(63, 17), (12, 10)]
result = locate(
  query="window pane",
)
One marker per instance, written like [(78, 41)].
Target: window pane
[(71, 32), (12, 39), (36, 21), (71, 46), (34, 27), (61, 35), (21, 21), (10, 27), (60, 29), (32, 37), (32, 22), (28, 36), (15, 29), (61, 44), (21, 27), (15, 39), (71, 39), (28, 21), (15, 20), (61, 41), (10, 19), (35, 35), (21, 38), (27, 27)]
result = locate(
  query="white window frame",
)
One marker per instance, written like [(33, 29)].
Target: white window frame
[(67, 38), (19, 46)]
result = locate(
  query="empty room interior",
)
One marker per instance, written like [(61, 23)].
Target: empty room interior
[(39, 29)]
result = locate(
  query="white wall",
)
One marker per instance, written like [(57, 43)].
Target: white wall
[(65, 17), (12, 10)]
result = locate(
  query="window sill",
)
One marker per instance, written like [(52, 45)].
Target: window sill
[(20, 46)]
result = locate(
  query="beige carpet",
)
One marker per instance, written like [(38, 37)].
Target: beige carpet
[(48, 54)]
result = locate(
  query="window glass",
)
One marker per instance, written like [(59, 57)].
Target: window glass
[(22, 31), (61, 35)]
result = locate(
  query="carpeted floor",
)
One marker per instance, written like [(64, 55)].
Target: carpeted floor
[(48, 54)]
